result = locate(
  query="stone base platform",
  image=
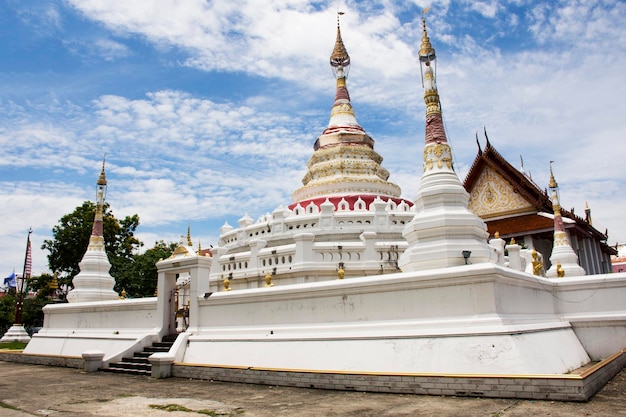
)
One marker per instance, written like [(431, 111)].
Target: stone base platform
[(579, 385)]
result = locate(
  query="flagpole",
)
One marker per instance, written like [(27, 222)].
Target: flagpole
[(25, 274), (17, 333)]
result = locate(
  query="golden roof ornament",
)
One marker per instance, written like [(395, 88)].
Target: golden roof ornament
[(427, 52), (552, 183), (102, 179), (339, 57), (189, 236)]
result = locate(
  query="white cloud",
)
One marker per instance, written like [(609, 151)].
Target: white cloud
[(486, 9), (176, 156)]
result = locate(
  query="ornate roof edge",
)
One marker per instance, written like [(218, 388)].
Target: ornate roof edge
[(490, 157)]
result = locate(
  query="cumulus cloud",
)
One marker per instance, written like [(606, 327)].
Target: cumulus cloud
[(545, 78)]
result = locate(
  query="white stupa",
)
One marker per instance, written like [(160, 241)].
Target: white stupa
[(564, 260), (94, 283), (444, 232)]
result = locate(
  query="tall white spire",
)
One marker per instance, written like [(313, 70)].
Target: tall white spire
[(93, 282), (444, 232)]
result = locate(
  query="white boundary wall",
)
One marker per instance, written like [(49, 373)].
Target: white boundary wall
[(112, 327), (469, 319), (480, 318)]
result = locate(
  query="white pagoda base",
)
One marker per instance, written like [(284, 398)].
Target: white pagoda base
[(443, 228), (93, 283), (16, 333), (566, 256)]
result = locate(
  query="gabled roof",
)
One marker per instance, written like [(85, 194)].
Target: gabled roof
[(490, 158)]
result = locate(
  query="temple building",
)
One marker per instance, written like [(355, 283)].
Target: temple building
[(515, 207), (347, 218), (351, 287)]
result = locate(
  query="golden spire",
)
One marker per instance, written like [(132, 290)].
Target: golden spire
[(552, 183), (102, 179), (427, 52), (339, 57), (435, 131), (189, 236)]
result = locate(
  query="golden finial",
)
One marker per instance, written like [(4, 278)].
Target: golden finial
[(512, 241), (552, 183), (339, 57), (199, 247), (268, 279), (496, 235), (189, 236), (226, 283), (102, 180), (560, 272), (427, 52), (123, 295)]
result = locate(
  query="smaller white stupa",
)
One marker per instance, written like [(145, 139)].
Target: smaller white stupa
[(564, 260), (94, 283)]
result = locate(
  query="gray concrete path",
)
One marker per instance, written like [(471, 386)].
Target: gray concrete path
[(37, 390)]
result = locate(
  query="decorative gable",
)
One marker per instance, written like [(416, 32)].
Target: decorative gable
[(493, 196)]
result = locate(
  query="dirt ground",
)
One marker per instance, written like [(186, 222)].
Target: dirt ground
[(36, 390)]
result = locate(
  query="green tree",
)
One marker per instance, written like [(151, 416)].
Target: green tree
[(32, 311), (71, 238), (139, 279), (7, 312)]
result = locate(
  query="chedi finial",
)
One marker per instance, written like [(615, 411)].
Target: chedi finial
[(339, 59)]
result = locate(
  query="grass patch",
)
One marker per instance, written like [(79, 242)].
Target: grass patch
[(205, 412), (13, 345), (211, 413), (170, 407)]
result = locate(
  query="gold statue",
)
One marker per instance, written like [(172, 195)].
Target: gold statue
[(537, 265), (123, 295), (560, 272), (268, 280), (226, 282), (341, 273)]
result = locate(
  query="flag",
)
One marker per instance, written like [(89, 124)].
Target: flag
[(28, 262), (10, 281)]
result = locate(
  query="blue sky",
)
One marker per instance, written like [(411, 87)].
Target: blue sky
[(209, 110)]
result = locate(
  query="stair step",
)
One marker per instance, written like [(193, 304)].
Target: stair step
[(130, 365), (154, 349), (139, 364), (128, 371), (165, 345), (136, 359), (171, 338)]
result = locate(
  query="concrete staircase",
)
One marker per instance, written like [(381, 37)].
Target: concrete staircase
[(139, 364)]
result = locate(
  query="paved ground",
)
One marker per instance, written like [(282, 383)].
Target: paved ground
[(36, 390)]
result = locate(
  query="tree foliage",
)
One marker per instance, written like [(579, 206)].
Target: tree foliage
[(139, 278), (134, 273), (32, 313), (71, 238)]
